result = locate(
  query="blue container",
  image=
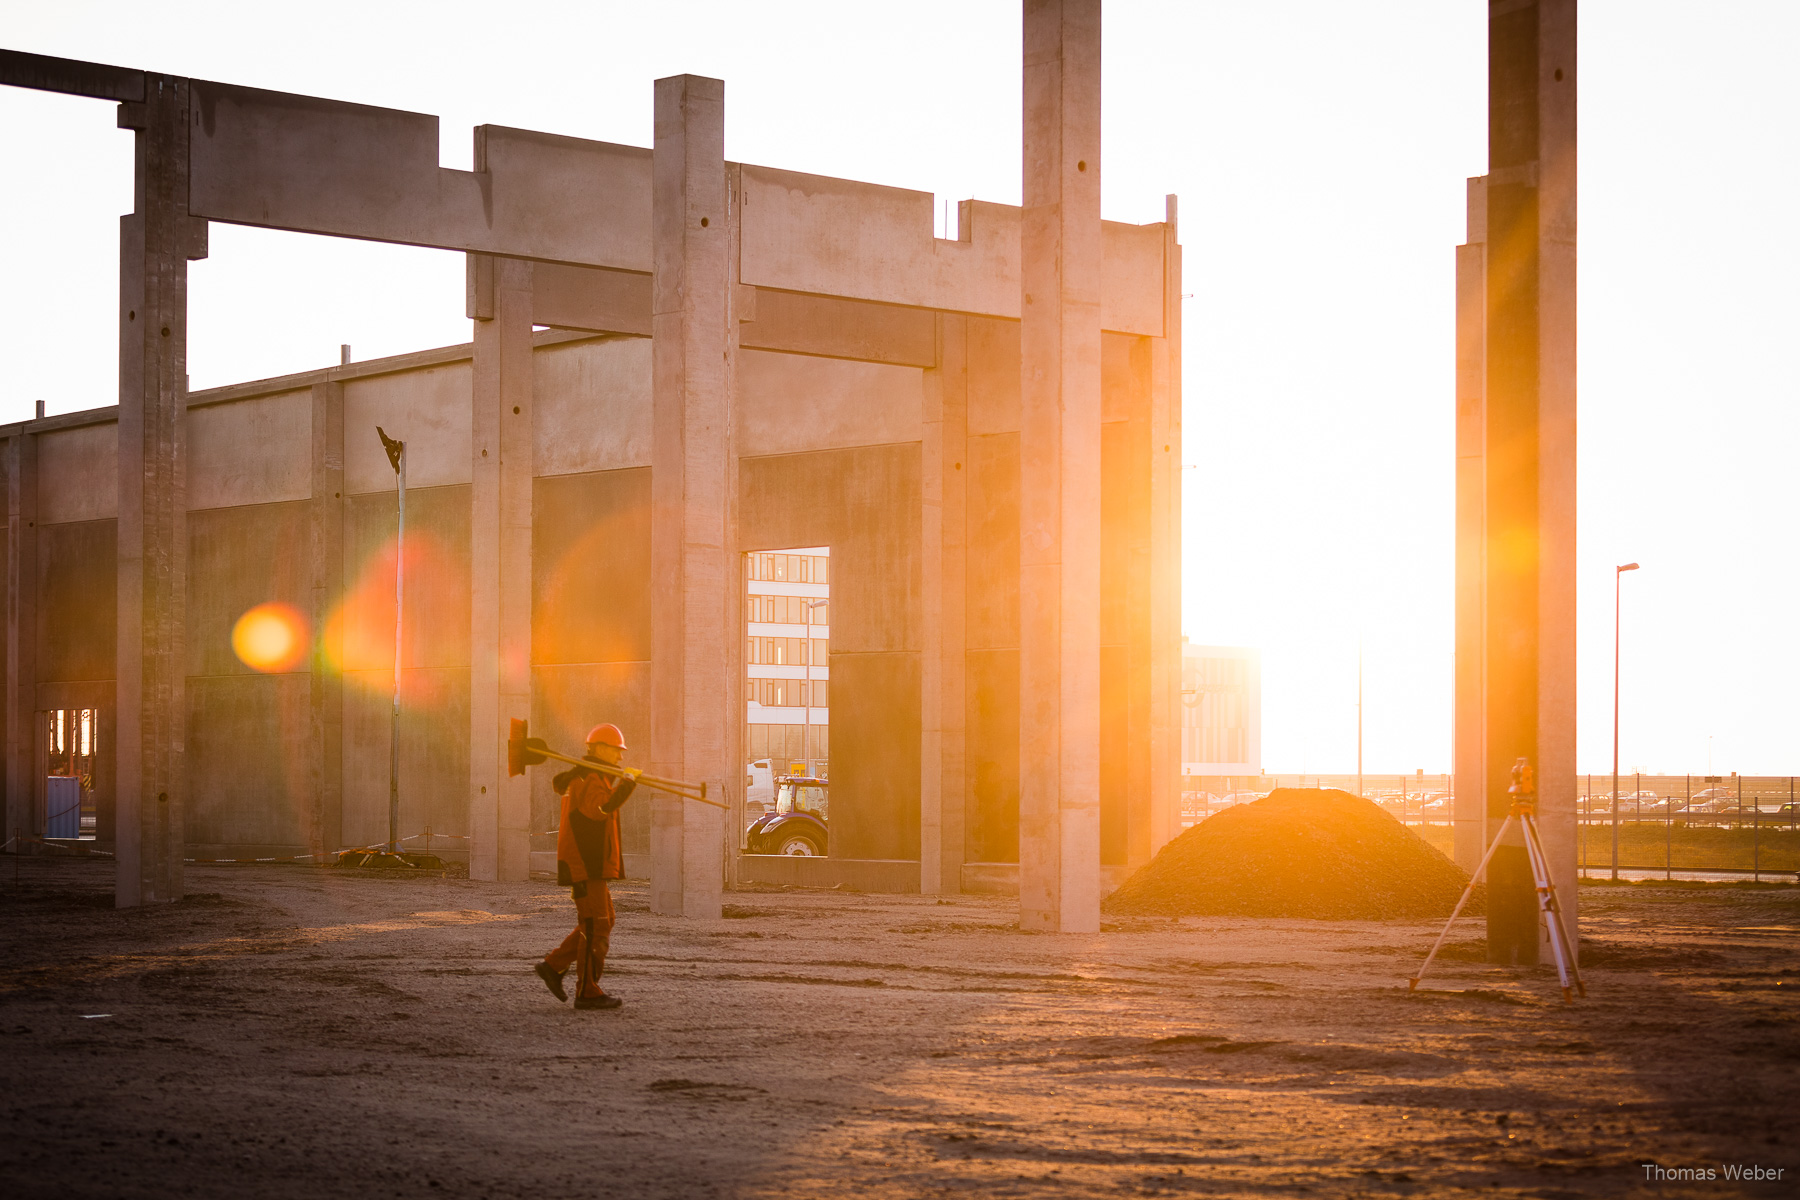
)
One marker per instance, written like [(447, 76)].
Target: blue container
[(62, 807)]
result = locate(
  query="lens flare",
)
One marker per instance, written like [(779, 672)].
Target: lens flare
[(270, 638)]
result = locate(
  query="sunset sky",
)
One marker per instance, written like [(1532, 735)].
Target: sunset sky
[(1319, 150)]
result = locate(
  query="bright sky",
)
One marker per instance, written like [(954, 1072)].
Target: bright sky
[(1319, 150)]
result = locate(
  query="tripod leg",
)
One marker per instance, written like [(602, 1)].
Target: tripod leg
[(1457, 911), (1556, 917), (1547, 902)]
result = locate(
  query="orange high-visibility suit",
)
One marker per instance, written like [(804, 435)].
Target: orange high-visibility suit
[(587, 855)]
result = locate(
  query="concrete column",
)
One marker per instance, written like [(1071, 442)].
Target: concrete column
[(944, 546), (694, 579), (21, 635), (1470, 786), (1059, 471), (156, 241), (1529, 451), (500, 452), (326, 530), (1165, 549)]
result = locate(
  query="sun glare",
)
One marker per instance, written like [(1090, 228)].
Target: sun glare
[(270, 637)]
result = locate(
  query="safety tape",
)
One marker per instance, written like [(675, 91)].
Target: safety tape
[(37, 841)]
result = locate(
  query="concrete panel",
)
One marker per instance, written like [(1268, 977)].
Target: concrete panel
[(248, 768), (78, 474), (874, 754), (591, 569), (239, 558), (428, 409), (566, 702), (864, 504), (251, 452), (437, 580), (78, 577), (841, 237), (434, 753), (299, 162), (991, 721), (993, 377), (790, 403), (591, 402), (993, 585)]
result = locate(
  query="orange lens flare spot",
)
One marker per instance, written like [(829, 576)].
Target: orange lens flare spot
[(270, 637)]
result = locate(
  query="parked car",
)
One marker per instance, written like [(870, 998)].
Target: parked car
[(800, 824)]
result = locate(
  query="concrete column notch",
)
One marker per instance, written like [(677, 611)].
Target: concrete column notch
[(156, 242), (501, 457), (1059, 455), (694, 578)]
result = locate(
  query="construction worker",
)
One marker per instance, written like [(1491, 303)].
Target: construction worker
[(587, 855)]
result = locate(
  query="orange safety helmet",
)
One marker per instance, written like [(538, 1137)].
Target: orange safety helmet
[(607, 735)]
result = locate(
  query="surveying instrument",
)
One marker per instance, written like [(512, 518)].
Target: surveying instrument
[(1524, 810)]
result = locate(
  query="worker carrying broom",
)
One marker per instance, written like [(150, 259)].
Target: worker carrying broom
[(587, 855)]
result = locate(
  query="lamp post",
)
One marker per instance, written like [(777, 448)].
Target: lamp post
[(1359, 781), (1618, 574)]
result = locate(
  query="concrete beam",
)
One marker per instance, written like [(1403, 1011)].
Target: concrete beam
[(284, 161), (695, 631), (154, 246), (70, 77), (1059, 457), (501, 452)]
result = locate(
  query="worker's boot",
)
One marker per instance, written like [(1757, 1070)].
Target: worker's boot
[(600, 1001), (552, 979)]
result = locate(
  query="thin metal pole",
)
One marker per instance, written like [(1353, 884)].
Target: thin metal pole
[(1359, 690), (399, 616), (1618, 574)]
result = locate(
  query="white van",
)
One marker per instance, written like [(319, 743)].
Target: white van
[(759, 790)]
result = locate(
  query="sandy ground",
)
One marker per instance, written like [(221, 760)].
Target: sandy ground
[(294, 1032)]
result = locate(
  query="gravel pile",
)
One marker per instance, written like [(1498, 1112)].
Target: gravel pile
[(1300, 852)]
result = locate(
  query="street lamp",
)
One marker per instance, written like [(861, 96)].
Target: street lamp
[(1618, 574)]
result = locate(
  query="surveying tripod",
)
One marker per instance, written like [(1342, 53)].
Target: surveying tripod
[(1524, 810)]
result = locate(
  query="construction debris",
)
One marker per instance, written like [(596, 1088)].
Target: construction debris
[(1300, 852)]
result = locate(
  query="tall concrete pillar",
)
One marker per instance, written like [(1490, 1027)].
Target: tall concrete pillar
[(1516, 481), (1165, 549), (156, 242), (326, 535), (1469, 752), (21, 635), (1059, 471), (694, 578), (944, 544), (501, 457)]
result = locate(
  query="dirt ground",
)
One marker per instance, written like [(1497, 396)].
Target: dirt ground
[(295, 1032)]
